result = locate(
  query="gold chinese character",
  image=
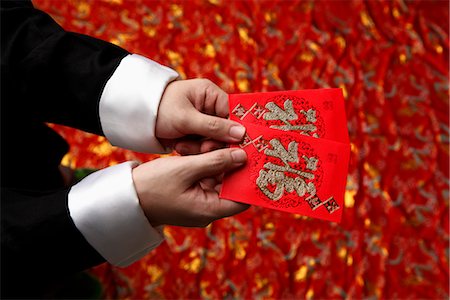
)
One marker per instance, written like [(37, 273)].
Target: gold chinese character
[(311, 162), (314, 202), (288, 114), (282, 183), (259, 143), (274, 174), (239, 111), (277, 113), (310, 115), (247, 141), (331, 205), (257, 110)]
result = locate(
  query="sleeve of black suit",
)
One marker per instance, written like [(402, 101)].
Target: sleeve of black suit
[(50, 75), (57, 76)]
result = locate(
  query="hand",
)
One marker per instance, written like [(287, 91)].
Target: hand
[(195, 107), (184, 191)]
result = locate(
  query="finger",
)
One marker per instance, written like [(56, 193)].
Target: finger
[(210, 98), (208, 183), (219, 178), (216, 101), (226, 208), (218, 188), (167, 143), (189, 147), (218, 208), (211, 145), (222, 105), (211, 164), (216, 128)]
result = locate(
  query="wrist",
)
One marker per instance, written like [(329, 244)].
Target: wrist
[(143, 186)]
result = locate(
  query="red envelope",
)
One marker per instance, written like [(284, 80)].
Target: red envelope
[(319, 113), (290, 172)]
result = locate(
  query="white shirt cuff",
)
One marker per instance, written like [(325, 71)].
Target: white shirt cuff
[(129, 103), (105, 208)]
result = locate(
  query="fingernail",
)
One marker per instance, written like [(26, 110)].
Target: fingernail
[(182, 149), (239, 156), (237, 132)]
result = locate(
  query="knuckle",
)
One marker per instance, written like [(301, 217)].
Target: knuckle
[(207, 95), (205, 81), (213, 124), (209, 89), (204, 85), (219, 161)]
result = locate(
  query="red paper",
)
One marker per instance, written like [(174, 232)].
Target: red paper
[(319, 113), (290, 172), (298, 150)]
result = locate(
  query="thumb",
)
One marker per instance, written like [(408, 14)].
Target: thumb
[(217, 128), (213, 163)]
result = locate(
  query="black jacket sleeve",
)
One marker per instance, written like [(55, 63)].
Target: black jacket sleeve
[(50, 74), (47, 75), (41, 247)]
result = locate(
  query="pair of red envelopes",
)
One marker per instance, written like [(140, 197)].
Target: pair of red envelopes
[(298, 152)]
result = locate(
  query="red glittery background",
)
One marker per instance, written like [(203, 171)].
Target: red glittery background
[(391, 60)]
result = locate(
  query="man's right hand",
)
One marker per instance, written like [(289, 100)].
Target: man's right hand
[(195, 107)]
